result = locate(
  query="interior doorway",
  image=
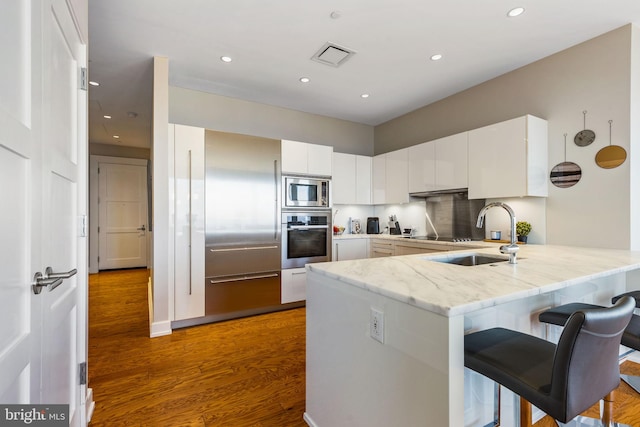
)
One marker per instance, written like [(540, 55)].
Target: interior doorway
[(119, 213)]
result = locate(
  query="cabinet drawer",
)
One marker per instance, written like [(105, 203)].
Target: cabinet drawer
[(241, 260), (238, 293), (294, 285), (381, 248)]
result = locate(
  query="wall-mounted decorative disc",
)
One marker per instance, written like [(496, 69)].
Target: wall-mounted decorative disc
[(565, 174), (585, 136), (611, 156)]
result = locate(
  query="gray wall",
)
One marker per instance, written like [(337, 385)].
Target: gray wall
[(215, 112), (594, 76)]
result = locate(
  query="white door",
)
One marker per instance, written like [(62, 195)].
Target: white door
[(123, 215), (43, 175)]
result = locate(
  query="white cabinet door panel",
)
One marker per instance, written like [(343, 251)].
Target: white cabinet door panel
[(189, 168), (363, 180), (343, 180)]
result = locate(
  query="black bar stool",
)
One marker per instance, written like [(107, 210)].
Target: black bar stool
[(562, 380), (630, 338)]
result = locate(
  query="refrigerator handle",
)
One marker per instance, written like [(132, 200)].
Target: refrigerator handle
[(276, 221), (190, 220)]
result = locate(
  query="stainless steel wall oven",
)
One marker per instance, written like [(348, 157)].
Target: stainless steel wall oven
[(306, 237)]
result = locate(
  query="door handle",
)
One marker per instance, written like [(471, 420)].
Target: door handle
[(143, 228), (49, 274), (40, 281)]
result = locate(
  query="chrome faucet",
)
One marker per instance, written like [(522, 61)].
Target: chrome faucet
[(511, 248)]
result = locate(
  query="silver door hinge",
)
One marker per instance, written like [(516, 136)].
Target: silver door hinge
[(84, 75), (83, 226), (82, 373)]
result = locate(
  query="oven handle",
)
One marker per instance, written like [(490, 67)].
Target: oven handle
[(305, 227)]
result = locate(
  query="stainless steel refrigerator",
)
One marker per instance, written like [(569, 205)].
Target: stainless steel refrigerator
[(243, 230)]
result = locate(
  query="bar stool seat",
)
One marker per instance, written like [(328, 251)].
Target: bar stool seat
[(562, 380)]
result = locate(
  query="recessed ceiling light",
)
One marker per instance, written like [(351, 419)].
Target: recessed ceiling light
[(92, 83), (515, 12), (305, 79), (436, 57), (364, 95), (116, 136), (225, 59), (107, 117)]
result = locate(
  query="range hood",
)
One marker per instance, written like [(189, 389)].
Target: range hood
[(425, 194)]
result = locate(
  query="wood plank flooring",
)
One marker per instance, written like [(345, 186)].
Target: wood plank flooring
[(244, 372)]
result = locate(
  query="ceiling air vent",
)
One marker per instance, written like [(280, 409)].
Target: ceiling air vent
[(332, 54)]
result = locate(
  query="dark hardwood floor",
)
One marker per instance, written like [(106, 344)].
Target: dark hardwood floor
[(244, 372)]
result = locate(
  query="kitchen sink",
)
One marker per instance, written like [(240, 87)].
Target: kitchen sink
[(470, 259)]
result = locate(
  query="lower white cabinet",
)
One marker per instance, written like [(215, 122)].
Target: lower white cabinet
[(294, 285), (346, 249)]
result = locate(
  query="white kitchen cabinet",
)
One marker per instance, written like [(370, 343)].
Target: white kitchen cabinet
[(351, 179), (379, 180), (306, 159), (441, 164), (391, 177), (422, 167), (189, 209), (363, 180), (350, 248), (293, 285), (451, 160), (343, 179), (509, 159)]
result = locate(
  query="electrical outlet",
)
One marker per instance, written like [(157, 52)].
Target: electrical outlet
[(376, 325)]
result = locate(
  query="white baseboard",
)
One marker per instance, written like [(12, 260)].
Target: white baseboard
[(90, 405), (156, 329), (159, 329), (307, 418)]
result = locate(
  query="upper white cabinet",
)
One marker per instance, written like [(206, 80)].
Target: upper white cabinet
[(351, 179), (391, 177), (306, 159), (439, 165), (509, 159), (189, 214)]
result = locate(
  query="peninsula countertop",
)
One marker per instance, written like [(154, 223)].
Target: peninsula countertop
[(452, 290)]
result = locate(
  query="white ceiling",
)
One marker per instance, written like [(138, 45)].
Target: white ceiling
[(271, 43)]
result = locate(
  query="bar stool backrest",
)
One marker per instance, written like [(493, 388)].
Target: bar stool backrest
[(586, 361)]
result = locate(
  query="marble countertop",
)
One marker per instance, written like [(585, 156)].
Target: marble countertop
[(452, 290)]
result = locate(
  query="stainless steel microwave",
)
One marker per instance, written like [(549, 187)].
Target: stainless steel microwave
[(306, 192)]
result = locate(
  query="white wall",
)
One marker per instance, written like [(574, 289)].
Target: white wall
[(162, 253), (225, 114), (634, 142), (595, 76)]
